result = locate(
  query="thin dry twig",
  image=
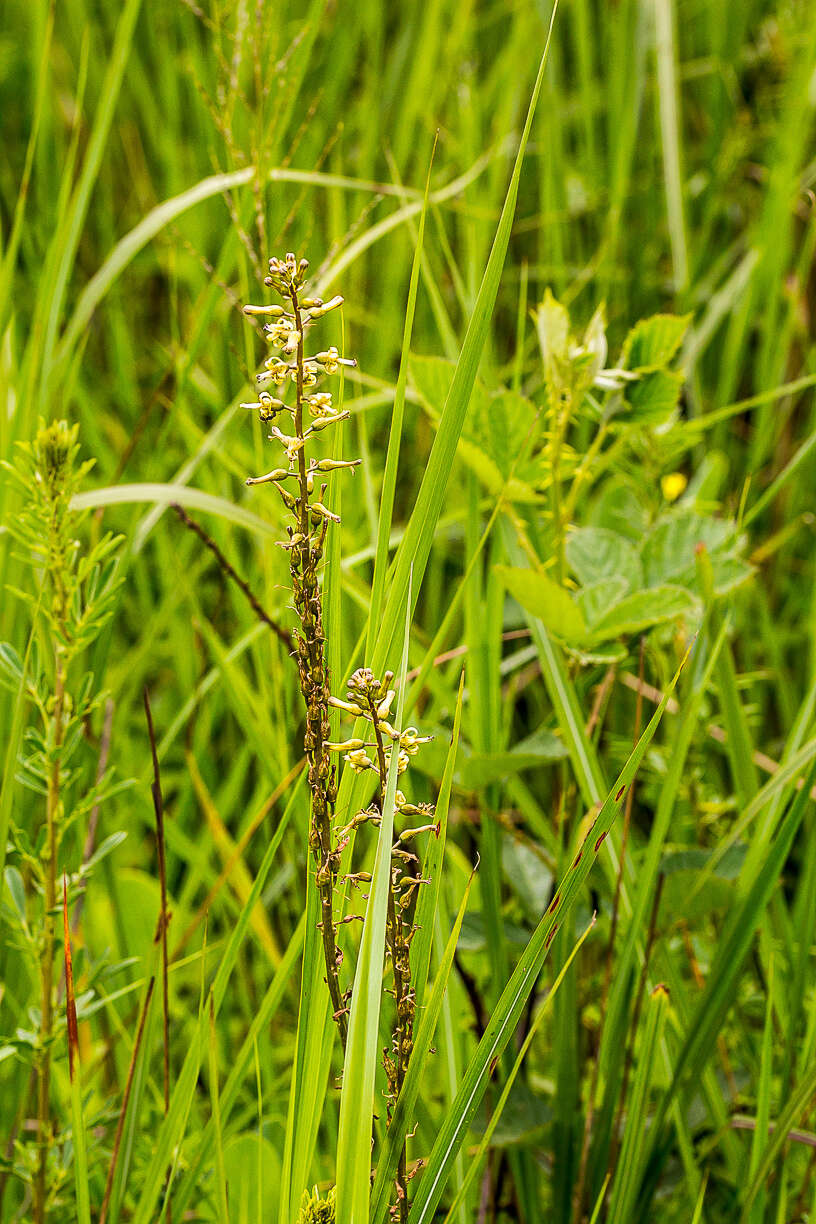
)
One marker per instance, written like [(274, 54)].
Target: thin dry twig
[(120, 1125), (230, 572), (164, 916)]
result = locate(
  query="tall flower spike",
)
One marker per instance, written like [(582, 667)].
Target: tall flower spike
[(310, 519), (371, 698)]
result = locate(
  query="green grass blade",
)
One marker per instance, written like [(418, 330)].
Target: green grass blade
[(509, 1008), (172, 1129), (395, 435), (433, 863), (357, 1097), (668, 102), (612, 1051), (69, 240), (406, 1102), (313, 1020), (626, 1180), (415, 548), (478, 1156), (763, 1098), (787, 1120), (8, 262), (220, 1174), (732, 949), (167, 494), (238, 1065)]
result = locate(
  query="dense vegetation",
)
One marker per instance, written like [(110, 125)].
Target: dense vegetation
[(577, 550)]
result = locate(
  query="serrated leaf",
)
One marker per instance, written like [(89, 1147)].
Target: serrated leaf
[(596, 600), (546, 600), (643, 609), (620, 509), (594, 553), (652, 399), (669, 549), (652, 343), (508, 420)]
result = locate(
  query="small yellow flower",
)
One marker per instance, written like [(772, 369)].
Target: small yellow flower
[(673, 485)]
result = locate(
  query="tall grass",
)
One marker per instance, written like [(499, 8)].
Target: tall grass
[(540, 512)]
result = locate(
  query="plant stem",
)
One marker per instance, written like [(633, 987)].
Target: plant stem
[(47, 953), (401, 964), (314, 685)]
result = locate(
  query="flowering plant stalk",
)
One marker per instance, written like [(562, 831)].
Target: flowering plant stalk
[(302, 490), (297, 485), (371, 699)]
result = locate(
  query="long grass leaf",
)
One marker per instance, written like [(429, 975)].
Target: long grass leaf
[(732, 949), (406, 1102), (395, 433), (478, 1156), (787, 1120), (433, 863), (357, 1097), (506, 1014), (415, 548), (626, 1179), (172, 1128)]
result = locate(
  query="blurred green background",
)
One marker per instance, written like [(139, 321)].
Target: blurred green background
[(154, 156)]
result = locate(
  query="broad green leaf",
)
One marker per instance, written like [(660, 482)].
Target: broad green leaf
[(695, 858), (652, 399), (527, 874), (621, 507), (643, 609), (485, 446), (597, 600), (509, 415), (652, 343), (669, 550), (482, 768), (241, 1162), (546, 600), (594, 553)]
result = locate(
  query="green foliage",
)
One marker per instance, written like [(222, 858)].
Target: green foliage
[(317, 1210), (584, 410)]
